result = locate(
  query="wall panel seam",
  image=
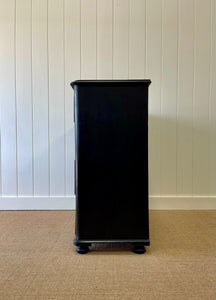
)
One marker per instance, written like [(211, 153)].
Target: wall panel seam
[(210, 88), (96, 40), (112, 35), (193, 93), (145, 39), (129, 34), (177, 89), (145, 73), (80, 39), (33, 188), (161, 88), (48, 90), (65, 136), (15, 91)]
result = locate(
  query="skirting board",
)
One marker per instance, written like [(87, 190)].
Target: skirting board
[(68, 203)]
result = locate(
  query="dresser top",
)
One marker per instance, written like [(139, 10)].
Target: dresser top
[(130, 82)]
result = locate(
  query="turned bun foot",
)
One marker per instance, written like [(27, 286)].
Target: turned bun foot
[(139, 249), (82, 249)]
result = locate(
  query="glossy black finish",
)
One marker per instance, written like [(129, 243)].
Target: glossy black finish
[(111, 130)]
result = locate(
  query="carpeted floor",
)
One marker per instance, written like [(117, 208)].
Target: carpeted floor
[(38, 259)]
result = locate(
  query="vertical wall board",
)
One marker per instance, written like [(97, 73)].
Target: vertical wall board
[(47, 44), (212, 105), (24, 98), (137, 39), (56, 97), (153, 71), (201, 97), (104, 39), (72, 72), (8, 99), (121, 39), (185, 97), (40, 97), (88, 39), (168, 100)]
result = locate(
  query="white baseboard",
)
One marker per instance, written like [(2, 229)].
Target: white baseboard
[(37, 203), (183, 202), (68, 203)]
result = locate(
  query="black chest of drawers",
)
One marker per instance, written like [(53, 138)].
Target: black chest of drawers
[(111, 166)]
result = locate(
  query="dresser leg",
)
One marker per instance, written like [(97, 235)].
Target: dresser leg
[(82, 249), (138, 248)]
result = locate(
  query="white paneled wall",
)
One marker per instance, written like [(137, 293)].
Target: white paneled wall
[(46, 44), (40, 98)]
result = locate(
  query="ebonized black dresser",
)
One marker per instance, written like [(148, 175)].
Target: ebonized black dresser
[(111, 167)]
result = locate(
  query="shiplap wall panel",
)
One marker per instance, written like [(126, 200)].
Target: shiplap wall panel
[(212, 105), (168, 96), (88, 39), (72, 72), (201, 97), (56, 97), (104, 39), (40, 97), (8, 98), (24, 97), (44, 45), (153, 71), (185, 97), (137, 39), (121, 39)]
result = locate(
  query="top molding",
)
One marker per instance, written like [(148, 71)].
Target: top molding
[(111, 82)]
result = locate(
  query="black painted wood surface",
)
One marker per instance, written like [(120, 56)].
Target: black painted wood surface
[(111, 135)]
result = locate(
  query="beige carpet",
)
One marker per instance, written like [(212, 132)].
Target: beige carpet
[(38, 259)]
